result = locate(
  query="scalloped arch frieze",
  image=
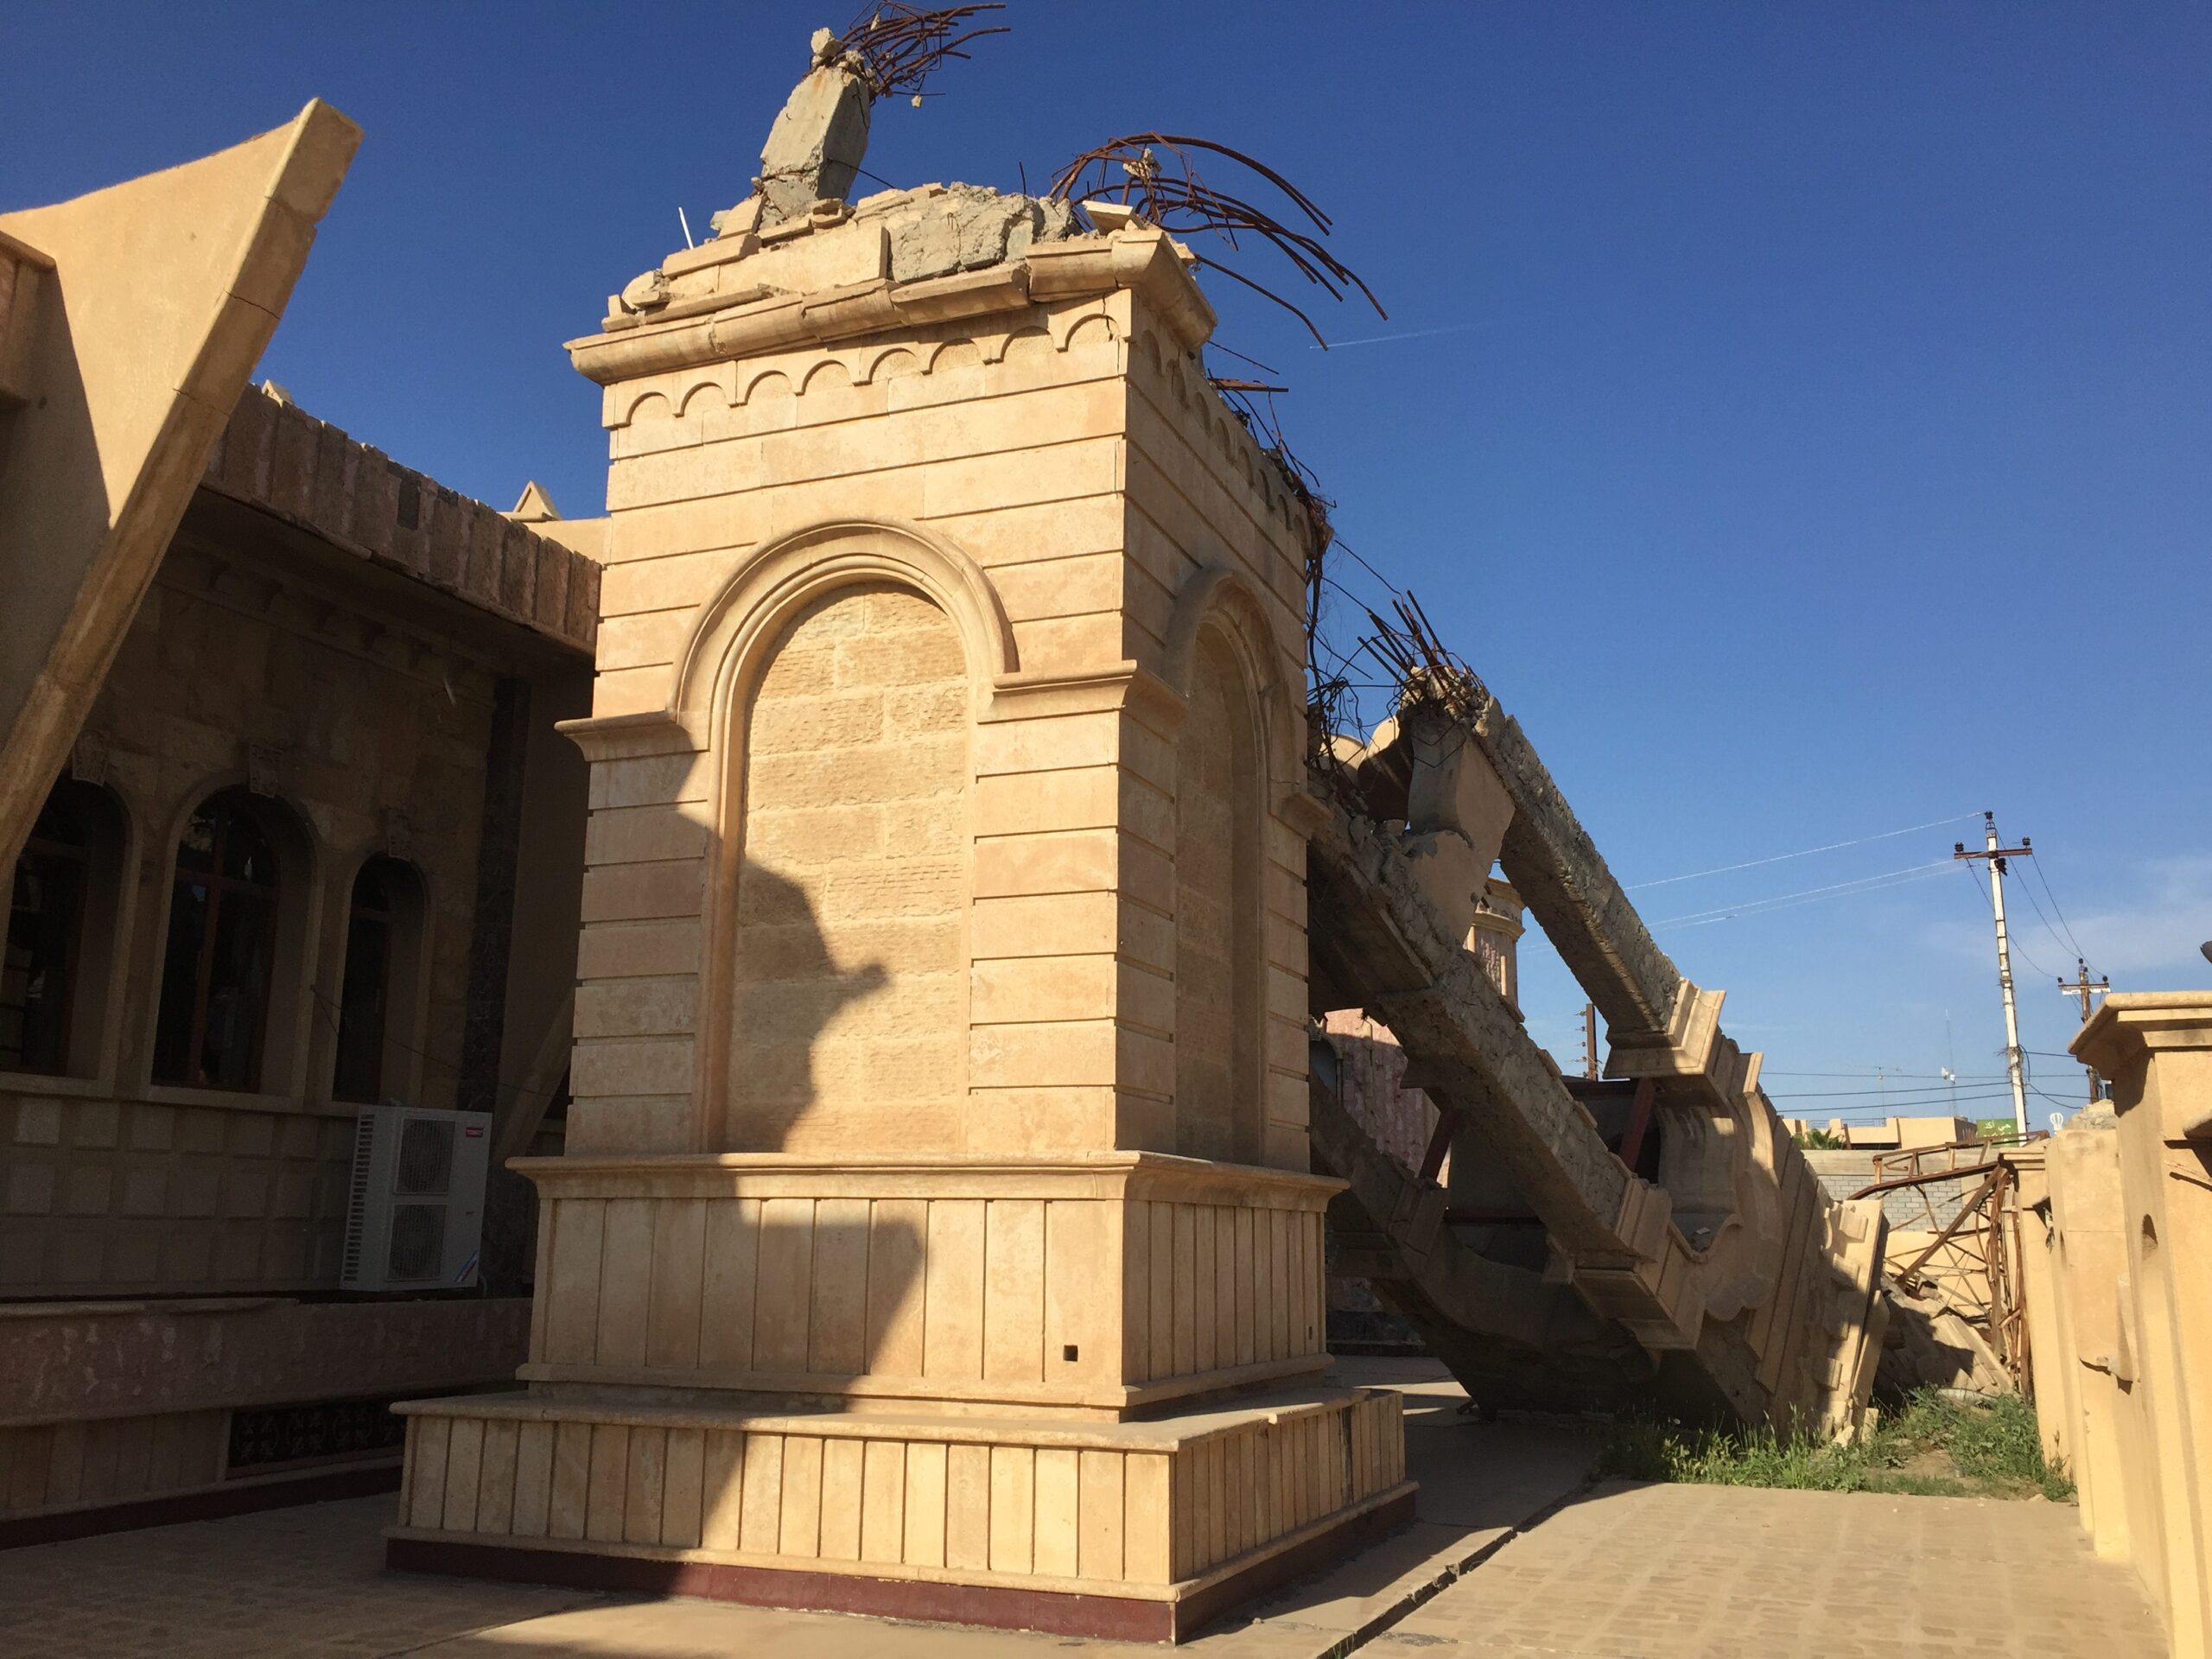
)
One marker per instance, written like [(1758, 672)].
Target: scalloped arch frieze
[(674, 395)]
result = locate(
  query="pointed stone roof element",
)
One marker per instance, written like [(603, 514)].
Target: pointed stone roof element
[(129, 320), (536, 507)]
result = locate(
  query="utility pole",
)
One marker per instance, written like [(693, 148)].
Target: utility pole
[(1590, 1041), (2086, 988), (1997, 853)]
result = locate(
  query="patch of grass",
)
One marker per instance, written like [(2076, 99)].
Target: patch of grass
[(1934, 1446), (1994, 1443)]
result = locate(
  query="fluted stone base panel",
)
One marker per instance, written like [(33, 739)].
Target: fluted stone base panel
[(1109, 1529)]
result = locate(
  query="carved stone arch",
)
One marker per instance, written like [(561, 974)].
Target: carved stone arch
[(887, 364), (695, 394), (1083, 329), (773, 583), (730, 649), (961, 353), (831, 374), (1226, 602), (769, 382)]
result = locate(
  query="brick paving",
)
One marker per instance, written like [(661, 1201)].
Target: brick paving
[(1725, 1573), (1622, 1572)]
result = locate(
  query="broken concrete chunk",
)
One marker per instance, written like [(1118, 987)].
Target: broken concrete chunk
[(648, 292), (815, 148), (968, 227)]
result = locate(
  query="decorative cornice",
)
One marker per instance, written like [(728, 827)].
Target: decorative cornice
[(721, 326)]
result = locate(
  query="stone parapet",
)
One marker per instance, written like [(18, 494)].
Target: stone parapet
[(69, 1362), (277, 457), (120, 1413)]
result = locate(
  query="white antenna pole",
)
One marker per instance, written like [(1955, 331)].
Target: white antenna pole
[(686, 224)]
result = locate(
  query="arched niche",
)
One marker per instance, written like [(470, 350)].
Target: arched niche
[(836, 681), (1220, 937), (1235, 760)]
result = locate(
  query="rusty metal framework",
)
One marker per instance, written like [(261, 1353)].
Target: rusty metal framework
[(900, 46), (1159, 180), (1975, 1250)]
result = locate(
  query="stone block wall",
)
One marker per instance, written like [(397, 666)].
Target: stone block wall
[(103, 1196), (367, 737), (850, 991), (328, 630), (2117, 1271)]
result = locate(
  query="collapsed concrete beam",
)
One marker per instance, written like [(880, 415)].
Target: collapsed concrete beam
[(1770, 1323), (1550, 858), (1513, 1338)]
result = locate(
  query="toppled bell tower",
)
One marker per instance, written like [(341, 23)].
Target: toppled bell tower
[(935, 1234)]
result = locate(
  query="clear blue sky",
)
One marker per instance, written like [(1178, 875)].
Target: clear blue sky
[(1818, 442)]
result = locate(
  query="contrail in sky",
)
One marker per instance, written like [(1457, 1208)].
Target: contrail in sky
[(1417, 334)]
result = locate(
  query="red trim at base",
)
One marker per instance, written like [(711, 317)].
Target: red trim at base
[(210, 1504), (1123, 1619)]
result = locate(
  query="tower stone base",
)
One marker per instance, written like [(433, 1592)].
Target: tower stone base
[(1131, 1531)]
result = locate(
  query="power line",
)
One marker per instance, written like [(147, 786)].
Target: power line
[(1881, 1071), (2044, 919), (1807, 895), (1780, 858), (1905, 1096), (2043, 876)]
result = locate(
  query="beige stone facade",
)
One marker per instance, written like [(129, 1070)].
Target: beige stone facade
[(2118, 1277), (940, 1078), (368, 668)]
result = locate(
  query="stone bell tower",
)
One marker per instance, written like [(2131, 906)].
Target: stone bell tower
[(935, 1235)]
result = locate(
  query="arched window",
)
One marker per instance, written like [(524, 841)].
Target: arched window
[(45, 950), (215, 973), (380, 953)]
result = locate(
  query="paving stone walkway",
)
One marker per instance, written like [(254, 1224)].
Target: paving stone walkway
[(1725, 1573), (1512, 1556)]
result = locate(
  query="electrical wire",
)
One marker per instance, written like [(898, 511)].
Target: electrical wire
[(1780, 858), (1879, 1072), (1908, 1096), (2044, 919), (2043, 876), (1807, 895)]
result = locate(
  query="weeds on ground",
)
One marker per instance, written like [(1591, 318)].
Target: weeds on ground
[(1934, 1447)]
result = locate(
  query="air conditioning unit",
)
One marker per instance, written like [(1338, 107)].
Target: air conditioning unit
[(416, 1213)]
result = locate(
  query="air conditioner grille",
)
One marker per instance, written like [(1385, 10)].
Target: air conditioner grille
[(425, 1158), (364, 1141), (418, 1239)]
